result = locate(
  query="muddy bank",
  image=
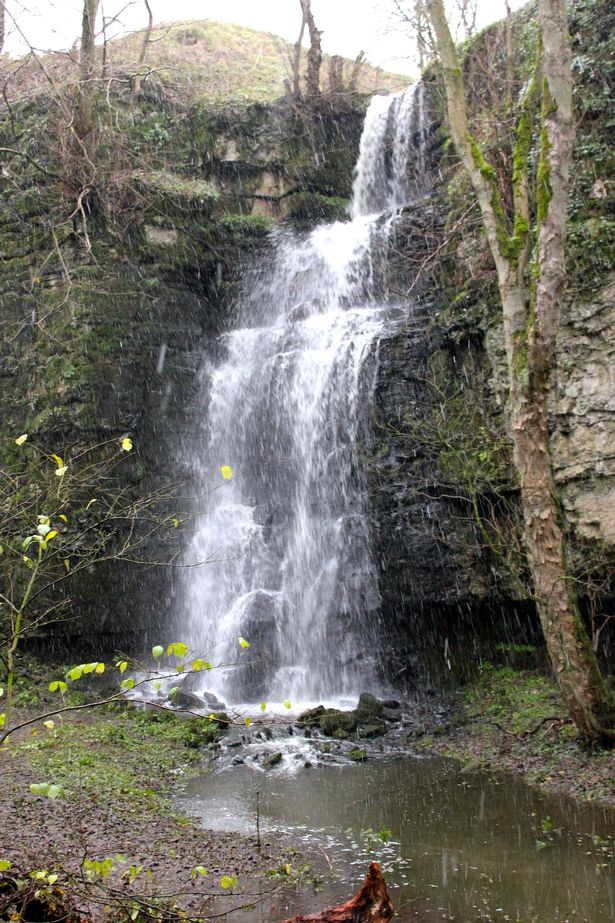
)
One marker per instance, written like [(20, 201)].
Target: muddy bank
[(112, 838)]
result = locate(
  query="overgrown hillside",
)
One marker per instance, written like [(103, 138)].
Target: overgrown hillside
[(198, 62)]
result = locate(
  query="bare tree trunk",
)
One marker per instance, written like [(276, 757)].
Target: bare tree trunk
[(87, 85), (136, 80), (2, 24), (336, 74), (296, 90), (510, 58), (530, 330), (314, 58), (357, 67)]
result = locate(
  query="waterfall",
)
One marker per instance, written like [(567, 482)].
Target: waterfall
[(287, 404)]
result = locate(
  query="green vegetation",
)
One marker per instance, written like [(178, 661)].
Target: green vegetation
[(515, 720), (117, 754)]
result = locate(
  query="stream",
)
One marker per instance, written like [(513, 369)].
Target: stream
[(453, 846)]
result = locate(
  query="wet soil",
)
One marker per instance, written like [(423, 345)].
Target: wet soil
[(116, 806)]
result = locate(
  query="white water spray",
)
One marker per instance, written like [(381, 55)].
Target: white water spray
[(288, 407)]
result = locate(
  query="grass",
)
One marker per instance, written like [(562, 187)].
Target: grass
[(118, 753)]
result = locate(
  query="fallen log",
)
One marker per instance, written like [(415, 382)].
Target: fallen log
[(371, 904)]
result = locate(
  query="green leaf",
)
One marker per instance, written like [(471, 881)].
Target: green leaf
[(54, 791), (52, 879), (4, 865), (263, 706), (178, 648), (39, 788), (122, 665), (57, 685), (247, 721), (2, 719), (287, 703), (158, 650), (76, 673), (199, 870), (127, 684), (243, 642), (1, 691), (227, 882)]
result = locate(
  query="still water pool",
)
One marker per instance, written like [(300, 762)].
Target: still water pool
[(453, 846)]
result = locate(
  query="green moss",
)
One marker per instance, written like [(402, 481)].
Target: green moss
[(544, 191), (509, 247), (312, 206)]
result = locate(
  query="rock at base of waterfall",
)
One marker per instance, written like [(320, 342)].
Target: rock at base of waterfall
[(311, 717), (367, 720)]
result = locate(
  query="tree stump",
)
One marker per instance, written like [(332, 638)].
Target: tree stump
[(371, 904)]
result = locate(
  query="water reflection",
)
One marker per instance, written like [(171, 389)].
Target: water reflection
[(458, 847)]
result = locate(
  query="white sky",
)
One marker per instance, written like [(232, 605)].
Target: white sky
[(348, 26)]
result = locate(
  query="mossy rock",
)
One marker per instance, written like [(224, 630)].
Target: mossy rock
[(357, 755), (369, 709), (313, 206), (311, 717), (369, 731), (338, 720), (274, 760)]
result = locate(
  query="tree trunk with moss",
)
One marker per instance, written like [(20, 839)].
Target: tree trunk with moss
[(531, 320)]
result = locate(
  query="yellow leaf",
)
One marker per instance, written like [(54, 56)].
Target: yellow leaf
[(126, 444), (66, 565), (243, 642), (49, 724), (100, 668), (58, 460), (51, 535), (63, 517), (60, 472), (211, 716), (227, 472), (287, 703), (122, 665), (91, 502), (21, 439), (247, 722)]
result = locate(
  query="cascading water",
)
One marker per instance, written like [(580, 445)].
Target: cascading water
[(288, 406)]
